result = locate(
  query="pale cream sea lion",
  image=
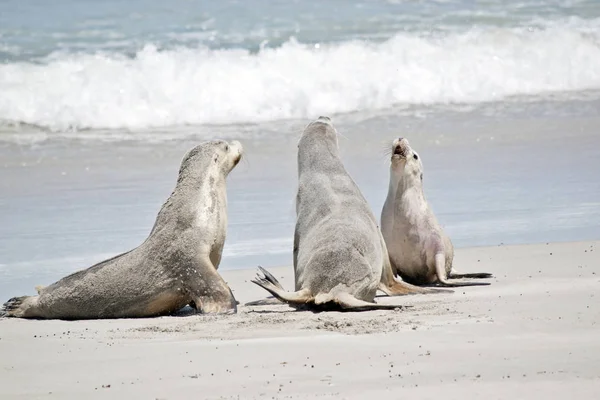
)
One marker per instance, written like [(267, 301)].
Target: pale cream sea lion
[(420, 252), (175, 266)]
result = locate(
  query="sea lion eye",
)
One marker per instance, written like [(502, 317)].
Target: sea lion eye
[(416, 157), (226, 147)]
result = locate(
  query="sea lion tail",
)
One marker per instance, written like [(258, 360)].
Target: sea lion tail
[(440, 269)]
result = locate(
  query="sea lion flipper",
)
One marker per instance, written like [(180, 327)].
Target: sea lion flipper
[(392, 286), (270, 277), (300, 297), (210, 293), (269, 301), (403, 289), (473, 275), (20, 307), (350, 303), (440, 269)]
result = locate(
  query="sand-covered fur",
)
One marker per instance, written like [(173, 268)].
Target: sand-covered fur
[(339, 255), (175, 266)]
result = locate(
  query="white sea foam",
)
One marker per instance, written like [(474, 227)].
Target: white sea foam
[(202, 86)]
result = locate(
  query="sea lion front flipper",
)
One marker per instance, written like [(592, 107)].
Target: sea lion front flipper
[(403, 289), (440, 263), (454, 274), (210, 293)]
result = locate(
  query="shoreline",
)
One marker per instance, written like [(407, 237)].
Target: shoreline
[(532, 332), (489, 179)]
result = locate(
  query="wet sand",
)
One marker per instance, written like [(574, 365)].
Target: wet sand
[(532, 334)]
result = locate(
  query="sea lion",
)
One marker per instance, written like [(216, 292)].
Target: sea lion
[(420, 252), (339, 254), (175, 266)]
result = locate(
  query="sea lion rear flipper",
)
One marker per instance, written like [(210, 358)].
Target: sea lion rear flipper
[(269, 301), (350, 303), (270, 277), (300, 297), (20, 307), (440, 269)]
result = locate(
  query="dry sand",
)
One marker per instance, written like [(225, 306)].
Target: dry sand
[(533, 334)]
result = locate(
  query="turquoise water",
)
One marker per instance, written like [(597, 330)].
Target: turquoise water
[(35, 29), (135, 65)]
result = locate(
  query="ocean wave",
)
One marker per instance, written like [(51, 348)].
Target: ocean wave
[(191, 86)]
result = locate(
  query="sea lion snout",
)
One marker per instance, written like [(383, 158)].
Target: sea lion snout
[(237, 150), (322, 120), (236, 146), (398, 150), (400, 147)]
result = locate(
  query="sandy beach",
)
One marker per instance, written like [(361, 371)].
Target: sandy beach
[(532, 334), (99, 102)]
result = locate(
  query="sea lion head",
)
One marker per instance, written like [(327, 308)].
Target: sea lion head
[(215, 153), (319, 131), (405, 162)]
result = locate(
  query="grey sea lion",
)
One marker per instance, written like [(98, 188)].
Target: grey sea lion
[(420, 252), (340, 259), (175, 266)]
